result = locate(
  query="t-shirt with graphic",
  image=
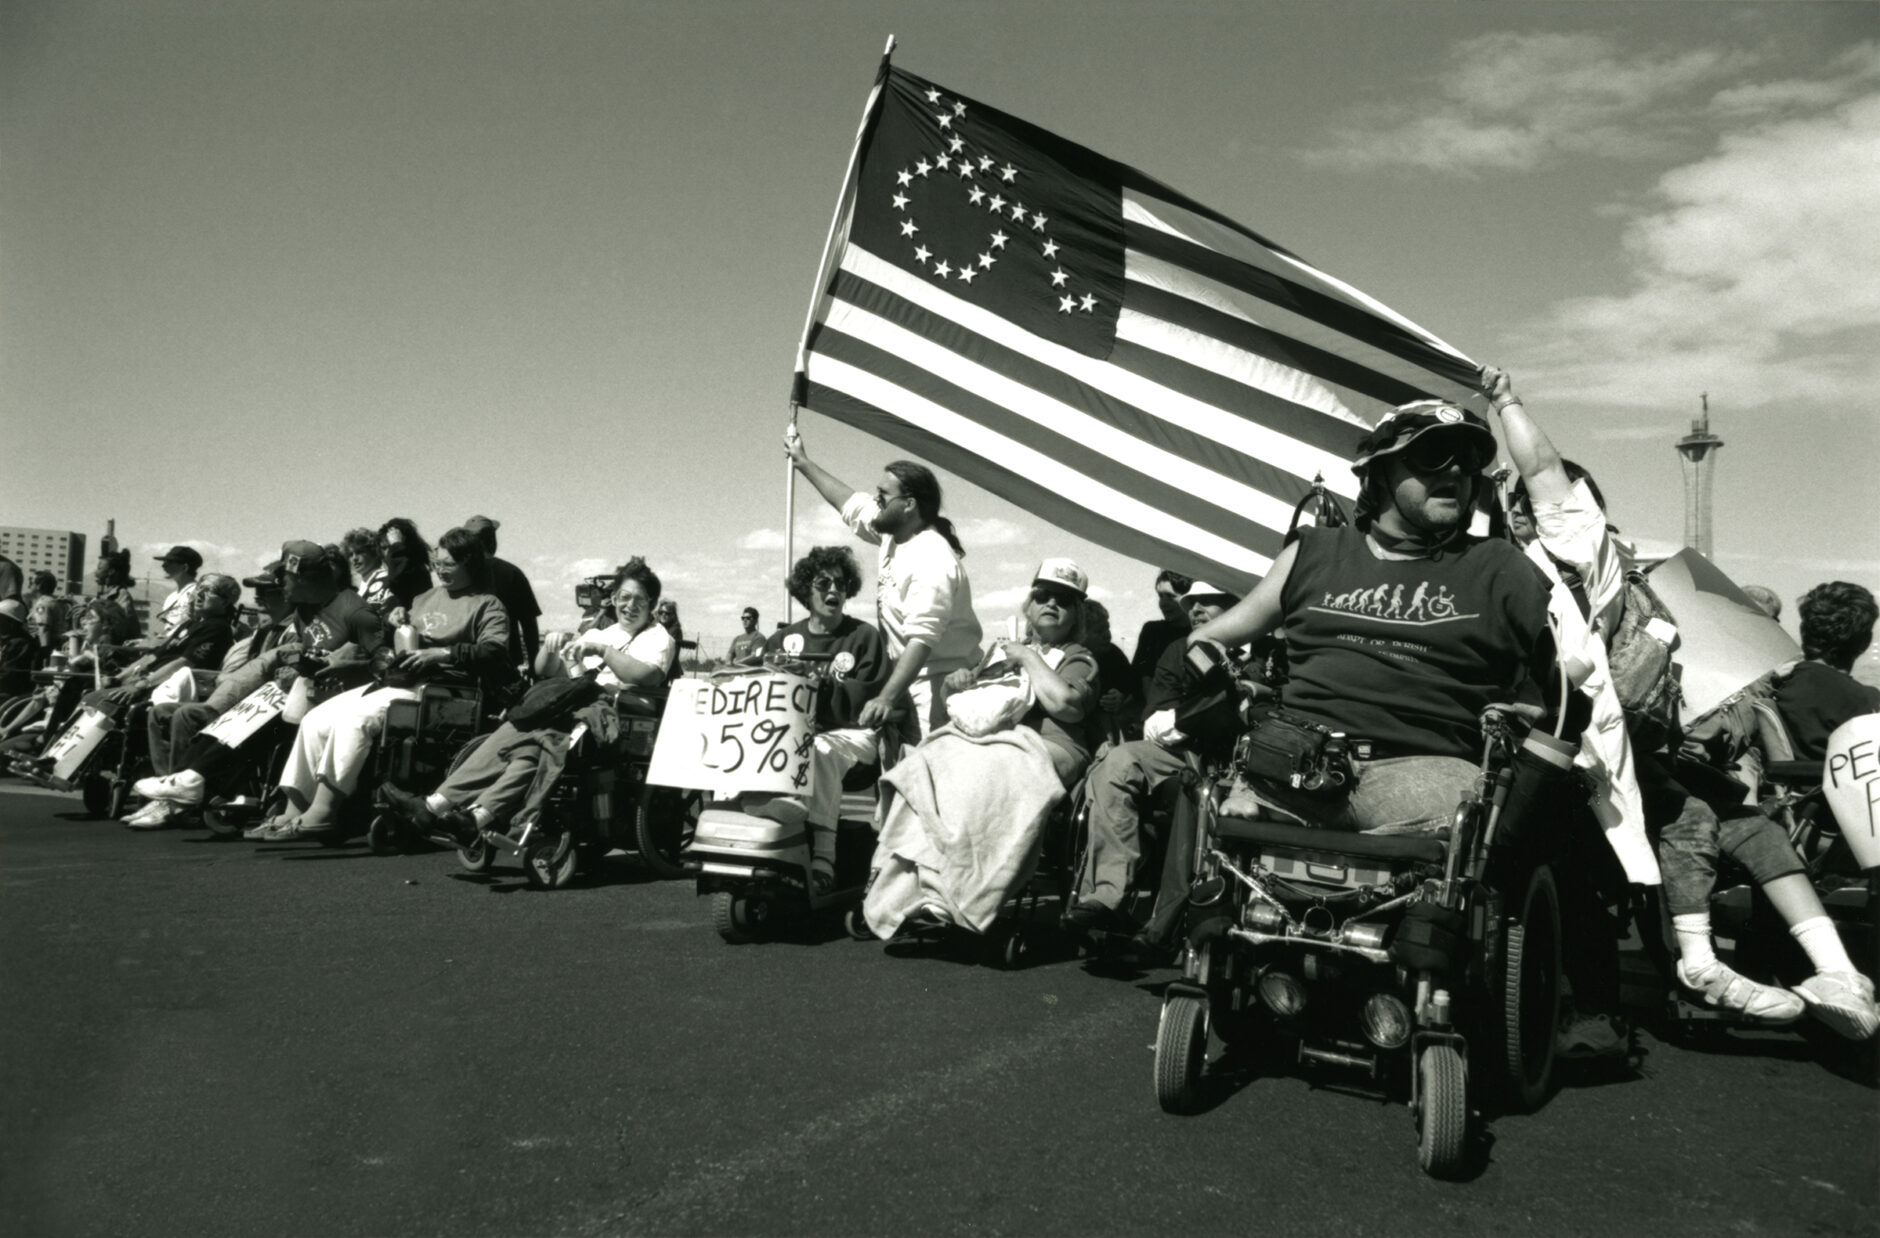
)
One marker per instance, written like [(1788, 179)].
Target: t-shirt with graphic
[(345, 619), (472, 625), (744, 644), (858, 665), (1408, 652), (652, 645)]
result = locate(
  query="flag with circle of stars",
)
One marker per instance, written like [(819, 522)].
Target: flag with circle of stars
[(1092, 345), (994, 210)]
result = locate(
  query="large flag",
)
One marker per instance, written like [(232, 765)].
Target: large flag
[(1092, 345)]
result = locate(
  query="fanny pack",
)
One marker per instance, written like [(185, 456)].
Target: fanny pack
[(1285, 748)]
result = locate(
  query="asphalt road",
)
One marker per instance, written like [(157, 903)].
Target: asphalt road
[(202, 1038)]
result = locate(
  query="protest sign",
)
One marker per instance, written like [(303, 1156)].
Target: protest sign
[(747, 732), (1851, 781)]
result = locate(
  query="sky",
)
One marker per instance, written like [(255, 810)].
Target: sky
[(276, 270)]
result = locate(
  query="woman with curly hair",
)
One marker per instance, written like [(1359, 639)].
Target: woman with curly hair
[(406, 557), (824, 580), (1821, 693)]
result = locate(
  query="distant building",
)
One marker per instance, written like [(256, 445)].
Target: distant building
[(47, 550)]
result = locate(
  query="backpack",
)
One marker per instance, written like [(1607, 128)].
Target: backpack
[(1643, 671)]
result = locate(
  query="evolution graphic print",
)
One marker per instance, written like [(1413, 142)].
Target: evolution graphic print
[(1424, 606)]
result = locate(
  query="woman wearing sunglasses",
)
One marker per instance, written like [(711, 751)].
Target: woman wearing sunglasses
[(962, 831), (824, 580)]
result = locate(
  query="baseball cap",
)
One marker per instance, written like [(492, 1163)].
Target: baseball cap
[(1202, 589), (1062, 572), (181, 554), (312, 575), (273, 576), (1406, 423)]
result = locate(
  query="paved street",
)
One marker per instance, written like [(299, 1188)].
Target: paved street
[(206, 1038)]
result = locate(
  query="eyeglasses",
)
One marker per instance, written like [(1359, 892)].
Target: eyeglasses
[(1435, 453), (1056, 595), (631, 601), (883, 498), (443, 567), (822, 584)]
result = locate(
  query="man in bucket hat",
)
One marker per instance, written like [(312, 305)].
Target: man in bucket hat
[(1403, 629)]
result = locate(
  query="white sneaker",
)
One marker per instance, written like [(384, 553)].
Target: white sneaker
[(183, 787), (155, 816), (1844, 1001), (138, 813), (1723, 989)]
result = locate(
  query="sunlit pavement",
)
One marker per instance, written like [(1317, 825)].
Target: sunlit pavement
[(207, 1038)]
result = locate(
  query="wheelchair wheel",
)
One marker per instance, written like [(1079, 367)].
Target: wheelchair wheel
[(739, 918), (1006, 947), (856, 925), (219, 823), (1530, 997), (549, 863), (383, 834), (663, 825), (1181, 1053), (96, 792), (476, 857), (1442, 1111)]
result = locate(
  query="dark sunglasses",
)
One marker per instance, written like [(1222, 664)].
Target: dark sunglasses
[(1434, 453), (823, 584), (1063, 598)]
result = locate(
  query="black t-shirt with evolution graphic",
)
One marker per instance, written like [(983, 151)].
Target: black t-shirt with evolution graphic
[(1408, 652), (858, 665)]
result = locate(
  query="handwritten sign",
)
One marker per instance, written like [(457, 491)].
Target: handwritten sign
[(250, 714), (1851, 782), (737, 733), (79, 741)]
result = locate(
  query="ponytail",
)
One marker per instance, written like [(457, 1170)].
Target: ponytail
[(919, 484)]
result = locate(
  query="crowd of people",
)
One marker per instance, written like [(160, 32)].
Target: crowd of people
[(1449, 600)]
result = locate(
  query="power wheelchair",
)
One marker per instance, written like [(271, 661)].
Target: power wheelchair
[(1429, 966)]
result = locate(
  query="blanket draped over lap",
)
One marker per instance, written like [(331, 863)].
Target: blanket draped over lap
[(962, 831)]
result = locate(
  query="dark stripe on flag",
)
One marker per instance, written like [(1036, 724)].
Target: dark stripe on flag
[(1021, 491), (1270, 344), (1310, 303), (1100, 406), (1106, 470), (1295, 421)]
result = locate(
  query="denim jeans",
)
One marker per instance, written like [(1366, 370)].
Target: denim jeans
[(1392, 795), (1689, 834)]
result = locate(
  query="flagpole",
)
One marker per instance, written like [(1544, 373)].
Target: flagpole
[(845, 203), (789, 519)]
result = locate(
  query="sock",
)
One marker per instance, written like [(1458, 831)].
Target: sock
[(1819, 937), (483, 817), (1694, 946), (437, 803)]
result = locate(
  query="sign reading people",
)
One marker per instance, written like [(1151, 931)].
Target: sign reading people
[(1851, 782), (742, 732)]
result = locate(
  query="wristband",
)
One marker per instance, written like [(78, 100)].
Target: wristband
[(1502, 404)]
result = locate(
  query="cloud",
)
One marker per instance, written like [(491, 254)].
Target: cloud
[(1512, 101), (1755, 270), (982, 531), (820, 526)]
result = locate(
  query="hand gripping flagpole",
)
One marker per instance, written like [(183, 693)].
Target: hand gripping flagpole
[(838, 232)]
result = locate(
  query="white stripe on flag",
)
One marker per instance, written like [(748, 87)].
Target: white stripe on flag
[(1250, 369), (1179, 221), (1126, 450), (1246, 307), (1027, 461), (1170, 404)]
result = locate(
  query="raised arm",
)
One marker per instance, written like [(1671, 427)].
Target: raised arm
[(834, 490), (1533, 453)]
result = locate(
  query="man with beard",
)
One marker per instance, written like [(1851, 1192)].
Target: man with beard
[(1403, 630), (923, 600)]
